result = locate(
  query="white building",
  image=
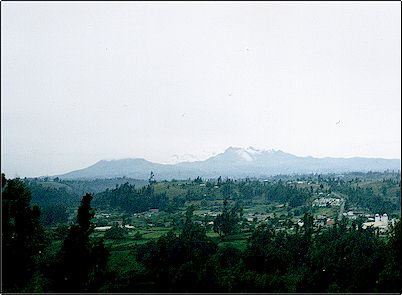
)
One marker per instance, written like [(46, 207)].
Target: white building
[(384, 219), (380, 222)]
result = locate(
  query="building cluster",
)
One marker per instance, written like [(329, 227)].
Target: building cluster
[(259, 217), (325, 202), (351, 214), (323, 220), (380, 221)]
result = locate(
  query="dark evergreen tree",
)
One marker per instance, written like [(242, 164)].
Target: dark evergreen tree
[(390, 277), (23, 238), (53, 215), (81, 260), (151, 179)]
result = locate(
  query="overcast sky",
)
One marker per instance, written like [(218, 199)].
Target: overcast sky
[(81, 82)]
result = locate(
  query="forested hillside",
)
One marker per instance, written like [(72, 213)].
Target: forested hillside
[(306, 233)]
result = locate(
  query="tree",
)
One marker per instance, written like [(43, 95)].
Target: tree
[(308, 224), (227, 222), (3, 180), (177, 263), (390, 277), (226, 189), (81, 260), (295, 201), (23, 238), (197, 180), (151, 179), (116, 233), (348, 261), (53, 215)]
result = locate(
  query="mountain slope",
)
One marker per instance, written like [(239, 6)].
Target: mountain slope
[(235, 163)]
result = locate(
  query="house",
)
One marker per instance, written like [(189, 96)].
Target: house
[(102, 228), (117, 223), (319, 222)]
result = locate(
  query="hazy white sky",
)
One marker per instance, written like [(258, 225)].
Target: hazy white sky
[(81, 82)]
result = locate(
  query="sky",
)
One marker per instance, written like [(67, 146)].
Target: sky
[(168, 81)]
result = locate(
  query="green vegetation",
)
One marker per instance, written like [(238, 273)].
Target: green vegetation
[(284, 234), (81, 261), (227, 222), (116, 233), (131, 200), (23, 237)]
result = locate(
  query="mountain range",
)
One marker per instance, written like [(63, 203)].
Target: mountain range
[(234, 162)]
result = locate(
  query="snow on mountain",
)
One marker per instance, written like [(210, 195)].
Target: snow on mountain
[(248, 154), (233, 162), (253, 151), (245, 155)]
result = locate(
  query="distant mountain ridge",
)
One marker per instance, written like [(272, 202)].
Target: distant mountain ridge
[(234, 162)]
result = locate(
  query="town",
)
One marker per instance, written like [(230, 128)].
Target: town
[(325, 206)]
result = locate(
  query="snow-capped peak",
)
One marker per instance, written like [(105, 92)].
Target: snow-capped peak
[(250, 153), (244, 154), (253, 151)]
